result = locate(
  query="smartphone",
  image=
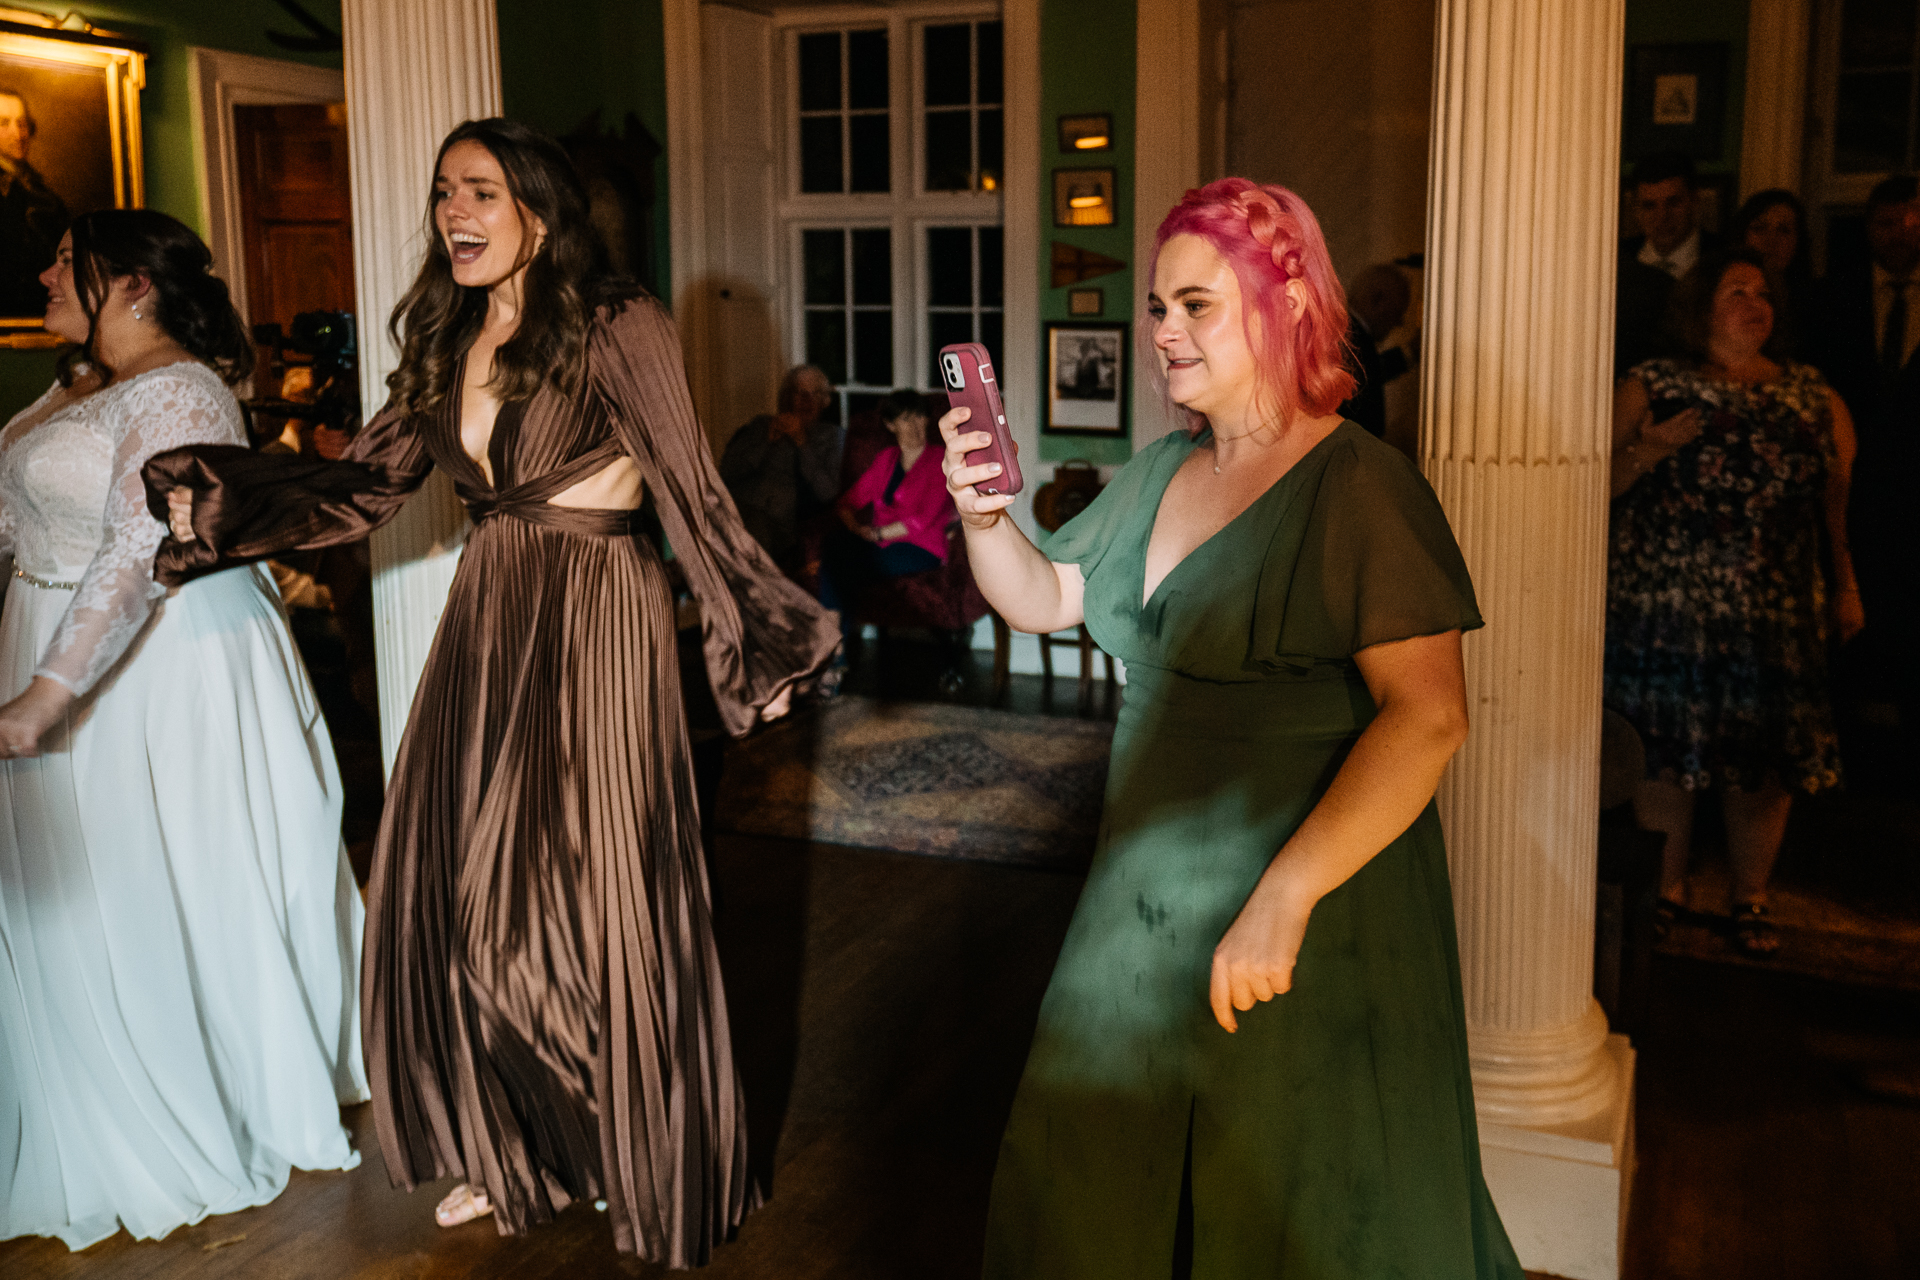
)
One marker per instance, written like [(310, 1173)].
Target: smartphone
[(968, 373)]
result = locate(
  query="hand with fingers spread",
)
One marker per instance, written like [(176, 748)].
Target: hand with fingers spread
[(977, 510)]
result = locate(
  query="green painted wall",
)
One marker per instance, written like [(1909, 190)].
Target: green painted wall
[(558, 65), (1698, 22), (1087, 66), (169, 28)]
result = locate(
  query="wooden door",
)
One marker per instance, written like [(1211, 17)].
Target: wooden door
[(295, 214)]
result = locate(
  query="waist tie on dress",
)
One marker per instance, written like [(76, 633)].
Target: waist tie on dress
[(530, 502)]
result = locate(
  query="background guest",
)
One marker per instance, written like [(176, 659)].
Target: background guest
[(1377, 301), (1867, 327), (1665, 201), (783, 468), (1773, 223), (895, 515), (1729, 466)]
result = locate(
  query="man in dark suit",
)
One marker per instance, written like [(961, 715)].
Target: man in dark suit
[(32, 216), (1864, 340), (1666, 201), (1377, 302)]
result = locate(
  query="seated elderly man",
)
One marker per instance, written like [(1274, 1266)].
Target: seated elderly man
[(782, 468)]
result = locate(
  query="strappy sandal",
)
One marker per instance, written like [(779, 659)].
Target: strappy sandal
[(462, 1204), (1754, 931)]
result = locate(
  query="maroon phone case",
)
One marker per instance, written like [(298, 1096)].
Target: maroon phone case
[(968, 373)]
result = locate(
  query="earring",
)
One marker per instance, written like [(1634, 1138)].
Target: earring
[(136, 313)]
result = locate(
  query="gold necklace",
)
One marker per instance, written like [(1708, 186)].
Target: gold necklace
[(1217, 438)]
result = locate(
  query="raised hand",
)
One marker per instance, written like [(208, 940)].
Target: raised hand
[(977, 510)]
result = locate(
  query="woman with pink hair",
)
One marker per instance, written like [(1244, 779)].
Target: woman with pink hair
[(1252, 1058)]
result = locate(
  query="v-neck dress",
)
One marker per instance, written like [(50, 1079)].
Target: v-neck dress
[(1332, 1137), (543, 1005)]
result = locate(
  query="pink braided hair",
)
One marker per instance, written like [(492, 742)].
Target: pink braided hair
[(1269, 237)]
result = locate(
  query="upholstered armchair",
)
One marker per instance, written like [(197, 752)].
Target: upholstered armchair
[(945, 599)]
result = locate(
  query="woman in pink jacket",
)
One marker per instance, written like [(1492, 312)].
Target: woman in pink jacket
[(896, 514)]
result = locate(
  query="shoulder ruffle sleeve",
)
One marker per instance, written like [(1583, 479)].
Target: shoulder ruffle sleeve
[(249, 505), (759, 630), (1377, 562)]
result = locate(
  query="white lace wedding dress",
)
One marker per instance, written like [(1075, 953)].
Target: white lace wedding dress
[(179, 931)]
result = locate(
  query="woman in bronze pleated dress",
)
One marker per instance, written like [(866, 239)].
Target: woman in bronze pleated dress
[(543, 1003)]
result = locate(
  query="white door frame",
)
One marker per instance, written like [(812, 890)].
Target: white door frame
[(218, 81)]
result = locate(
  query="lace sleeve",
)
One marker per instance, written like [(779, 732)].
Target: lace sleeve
[(117, 592)]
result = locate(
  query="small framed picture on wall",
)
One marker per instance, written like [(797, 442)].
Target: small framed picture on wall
[(1676, 100), (1086, 379), (70, 138)]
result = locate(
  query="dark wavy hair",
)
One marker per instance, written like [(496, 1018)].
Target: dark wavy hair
[(187, 300), (1690, 312), (898, 404), (567, 277)]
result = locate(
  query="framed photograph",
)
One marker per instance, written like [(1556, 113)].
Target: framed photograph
[(1083, 197), (1086, 133), (1086, 379), (69, 144), (1086, 302), (1676, 100)]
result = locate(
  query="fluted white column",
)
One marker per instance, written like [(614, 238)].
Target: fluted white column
[(1515, 394), (415, 69), (1772, 130)]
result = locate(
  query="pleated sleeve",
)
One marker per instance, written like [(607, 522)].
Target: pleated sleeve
[(248, 505), (1377, 562), (759, 630)]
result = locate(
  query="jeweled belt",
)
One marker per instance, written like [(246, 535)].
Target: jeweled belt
[(48, 583)]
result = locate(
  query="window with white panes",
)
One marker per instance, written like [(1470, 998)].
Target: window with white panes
[(962, 139), (1864, 116), (963, 291), (892, 207)]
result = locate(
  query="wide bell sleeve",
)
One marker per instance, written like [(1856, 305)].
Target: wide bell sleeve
[(249, 505), (116, 594), (759, 630)]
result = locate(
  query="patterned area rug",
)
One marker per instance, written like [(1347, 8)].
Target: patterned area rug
[(953, 782)]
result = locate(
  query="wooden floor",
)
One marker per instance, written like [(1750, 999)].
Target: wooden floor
[(882, 1005)]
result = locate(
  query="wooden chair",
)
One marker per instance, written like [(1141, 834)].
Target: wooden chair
[(1075, 484)]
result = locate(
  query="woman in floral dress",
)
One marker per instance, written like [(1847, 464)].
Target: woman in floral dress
[(1727, 570)]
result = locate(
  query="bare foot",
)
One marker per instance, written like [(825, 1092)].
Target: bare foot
[(463, 1204)]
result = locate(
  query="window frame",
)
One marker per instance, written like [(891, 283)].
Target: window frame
[(907, 209), (1830, 193)]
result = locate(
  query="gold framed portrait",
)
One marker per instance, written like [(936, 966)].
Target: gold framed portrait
[(69, 144)]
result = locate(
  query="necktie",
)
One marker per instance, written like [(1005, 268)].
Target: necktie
[(1893, 339)]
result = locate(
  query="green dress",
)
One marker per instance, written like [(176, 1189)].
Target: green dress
[(1332, 1137)]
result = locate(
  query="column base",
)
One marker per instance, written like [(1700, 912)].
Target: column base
[(1562, 1190)]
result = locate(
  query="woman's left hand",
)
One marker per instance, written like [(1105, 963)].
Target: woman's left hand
[(1254, 961), (1849, 618), (25, 720)]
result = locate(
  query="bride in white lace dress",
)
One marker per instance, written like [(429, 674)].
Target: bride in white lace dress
[(179, 932)]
